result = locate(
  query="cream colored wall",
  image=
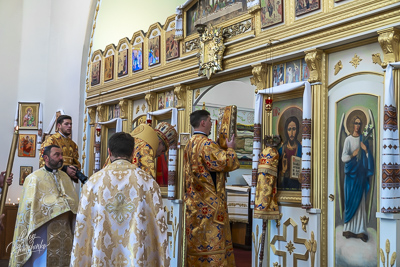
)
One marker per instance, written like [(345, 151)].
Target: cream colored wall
[(122, 18), (41, 51)]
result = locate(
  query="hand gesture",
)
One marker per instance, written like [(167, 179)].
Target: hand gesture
[(284, 162), (231, 143), (363, 147)]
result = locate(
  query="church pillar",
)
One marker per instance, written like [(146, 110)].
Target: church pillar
[(390, 183), (125, 115), (259, 79), (314, 184), (92, 120)]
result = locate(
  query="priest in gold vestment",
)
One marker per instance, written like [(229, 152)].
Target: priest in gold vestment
[(150, 144), (121, 219), (69, 148), (209, 241), (43, 230)]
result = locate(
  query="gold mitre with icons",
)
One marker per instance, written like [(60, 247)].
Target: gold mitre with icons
[(147, 134), (167, 134)]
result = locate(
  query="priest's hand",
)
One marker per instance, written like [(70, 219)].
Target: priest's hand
[(231, 143), (71, 171), (9, 179)]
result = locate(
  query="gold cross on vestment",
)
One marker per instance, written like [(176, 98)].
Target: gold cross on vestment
[(120, 208)]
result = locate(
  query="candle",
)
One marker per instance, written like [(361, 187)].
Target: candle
[(9, 200), (18, 200), (13, 204)]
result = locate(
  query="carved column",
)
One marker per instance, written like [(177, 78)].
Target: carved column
[(314, 180), (390, 186), (389, 42), (151, 101), (123, 105), (259, 79)]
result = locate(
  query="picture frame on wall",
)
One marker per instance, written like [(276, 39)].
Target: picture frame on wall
[(24, 171), (271, 12), (161, 100), (171, 46), (306, 6), (28, 116), (27, 145), (287, 118), (137, 57), (109, 68), (96, 72), (154, 51), (122, 63)]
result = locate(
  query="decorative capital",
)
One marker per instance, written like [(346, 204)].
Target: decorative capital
[(151, 101), (389, 41), (101, 113), (180, 94), (92, 115), (314, 64), (254, 9), (259, 78), (123, 104)]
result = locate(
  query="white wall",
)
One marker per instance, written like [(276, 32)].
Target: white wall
[(41, 50)]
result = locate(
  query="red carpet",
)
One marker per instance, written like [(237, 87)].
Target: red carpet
[(242, 257)]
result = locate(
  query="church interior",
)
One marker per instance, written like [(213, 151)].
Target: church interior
[(324, 75)]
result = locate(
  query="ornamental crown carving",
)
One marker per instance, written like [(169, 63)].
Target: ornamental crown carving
[(211, 51)]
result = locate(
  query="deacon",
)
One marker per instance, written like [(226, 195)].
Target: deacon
[(69, 148), (43, 232), (121, 218), (207, 223), (150, 144)]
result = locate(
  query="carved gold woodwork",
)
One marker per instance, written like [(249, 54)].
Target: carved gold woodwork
[(101, 113), (304, 221), (389, 41), (313, 59), (392, 258), (143, 107), (137, 109), (355, 61), (211, 51), (376, 59), (256, 244), (338, 67), (259, 78), (123, 104), (237, 29), (151, 101), (278, 221), (311, 246), (180, 94), (92, 115), (254, 9), (290, 248)]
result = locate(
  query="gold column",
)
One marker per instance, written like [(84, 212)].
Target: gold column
[(123, 105), (181, 93), (389, 39), (92, 116), (316, 62)]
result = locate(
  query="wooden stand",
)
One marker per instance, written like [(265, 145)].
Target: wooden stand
[(6, 237)]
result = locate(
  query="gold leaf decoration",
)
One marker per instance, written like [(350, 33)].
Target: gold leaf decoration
[(154, 33), (383, 257), (197, 93), (338, 67), (143, 107), (387, 246), (376, 58), (355, 61), (393, 259), (137, 109), (172, 25), (290, 247)]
